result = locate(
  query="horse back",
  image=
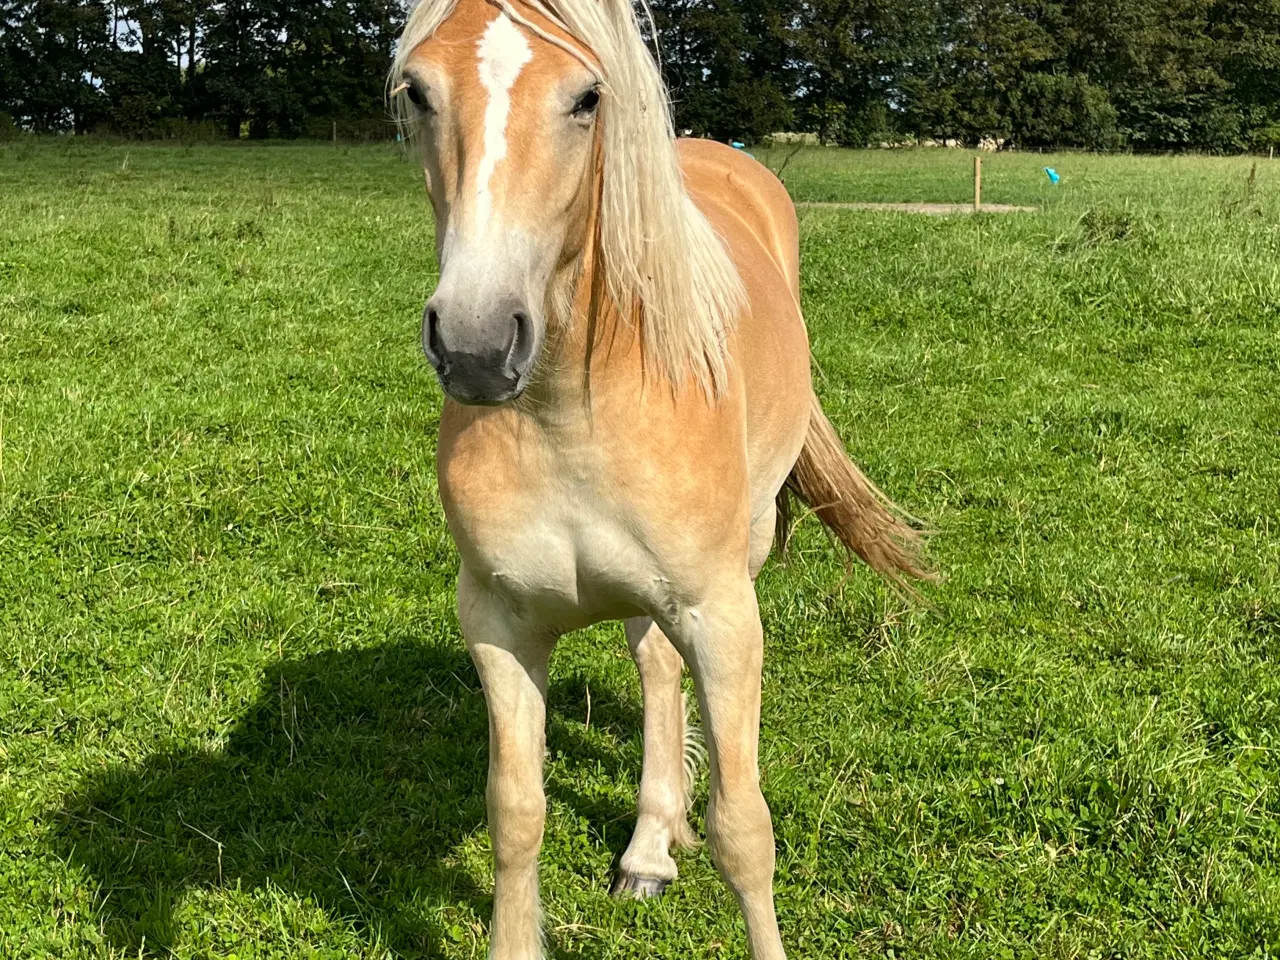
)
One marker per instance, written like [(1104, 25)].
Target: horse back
[(751, 210), (740, 195)]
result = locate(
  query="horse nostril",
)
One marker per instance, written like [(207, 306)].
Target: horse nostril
[(521, 351), (435, 352)]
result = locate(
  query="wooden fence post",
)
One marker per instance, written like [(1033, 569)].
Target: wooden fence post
[(977, 184)]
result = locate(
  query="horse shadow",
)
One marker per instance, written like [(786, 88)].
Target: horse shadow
[(352, 782)]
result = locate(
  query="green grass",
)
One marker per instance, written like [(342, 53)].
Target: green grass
[(236, 718)]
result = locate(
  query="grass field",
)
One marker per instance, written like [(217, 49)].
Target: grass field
[(236, 718)]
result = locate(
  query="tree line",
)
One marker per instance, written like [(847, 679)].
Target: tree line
[(257, 68), (1099, 74)]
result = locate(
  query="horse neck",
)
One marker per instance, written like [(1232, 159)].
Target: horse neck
[(591, 344)]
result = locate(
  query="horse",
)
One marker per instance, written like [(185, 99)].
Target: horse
[(629, 416)]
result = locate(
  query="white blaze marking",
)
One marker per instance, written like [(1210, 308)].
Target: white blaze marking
[(503, 51)]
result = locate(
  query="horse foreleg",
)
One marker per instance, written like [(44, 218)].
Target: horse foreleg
[(723, 643), (647, 867), (511, 659)]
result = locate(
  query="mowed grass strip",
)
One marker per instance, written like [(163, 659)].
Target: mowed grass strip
[(236, 717)]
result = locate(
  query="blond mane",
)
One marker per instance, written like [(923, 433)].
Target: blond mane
[(659, 251)]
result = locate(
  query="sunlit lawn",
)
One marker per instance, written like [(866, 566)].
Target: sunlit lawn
[(236, 718)]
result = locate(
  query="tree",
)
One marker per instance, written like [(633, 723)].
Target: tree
[(727, 64), (981, 67), (143, 74), (856, 55), (52, 50), (1159, 63), (238, 49), (333, 63), (1248, 32)]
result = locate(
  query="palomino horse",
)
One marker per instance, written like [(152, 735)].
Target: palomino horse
[(617, 328)]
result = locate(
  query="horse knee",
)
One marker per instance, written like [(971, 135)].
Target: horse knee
[(740, 834), (515, 826)]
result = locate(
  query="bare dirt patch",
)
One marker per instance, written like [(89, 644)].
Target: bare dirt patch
[(933, 209)]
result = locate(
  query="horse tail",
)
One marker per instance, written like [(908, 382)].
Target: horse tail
[(851, 506)]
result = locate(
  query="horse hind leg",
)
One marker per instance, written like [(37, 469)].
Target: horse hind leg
[(670, 750), (763, 534), (647, 867)]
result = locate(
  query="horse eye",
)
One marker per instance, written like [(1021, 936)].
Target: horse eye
[(587, 103), (416, 97)]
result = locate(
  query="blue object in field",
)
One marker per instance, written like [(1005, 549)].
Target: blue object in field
[(1053, 175), (736, 145)]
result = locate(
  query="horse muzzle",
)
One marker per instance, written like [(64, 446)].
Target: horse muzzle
[(482, 358)]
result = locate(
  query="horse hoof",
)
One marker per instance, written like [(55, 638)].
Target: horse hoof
[(630, 886)]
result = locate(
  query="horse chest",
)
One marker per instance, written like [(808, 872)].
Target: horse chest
[(541, 531)]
